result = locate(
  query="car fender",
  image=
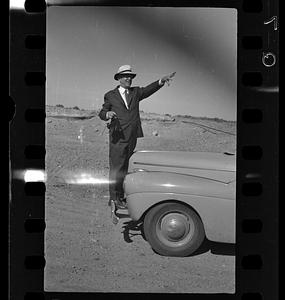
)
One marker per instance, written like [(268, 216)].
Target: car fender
[(178, 183), (217, 215), (213, 201)]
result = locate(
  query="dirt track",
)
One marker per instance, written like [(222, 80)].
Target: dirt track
[(85, 252)]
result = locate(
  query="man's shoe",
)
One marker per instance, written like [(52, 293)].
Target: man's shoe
[(121, 204), (124, 201)]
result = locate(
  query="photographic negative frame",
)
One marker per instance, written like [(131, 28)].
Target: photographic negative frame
[(257, 148)]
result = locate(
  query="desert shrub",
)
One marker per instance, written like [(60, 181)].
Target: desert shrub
[(76, 107), (60, 105)]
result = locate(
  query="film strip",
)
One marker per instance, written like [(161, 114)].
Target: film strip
[(257, 148)]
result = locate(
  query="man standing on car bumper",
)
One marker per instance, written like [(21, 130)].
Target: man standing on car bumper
[(121, 106)]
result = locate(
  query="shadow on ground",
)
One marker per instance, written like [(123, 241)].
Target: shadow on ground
[(216, 248), (136, 227), (133, 228)]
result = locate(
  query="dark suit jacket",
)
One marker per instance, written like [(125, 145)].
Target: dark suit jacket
[(129, 119)]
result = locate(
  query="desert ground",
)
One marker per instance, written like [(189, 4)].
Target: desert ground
[(84, 250)]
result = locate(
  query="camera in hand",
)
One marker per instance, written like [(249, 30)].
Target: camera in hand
[(115, 124)]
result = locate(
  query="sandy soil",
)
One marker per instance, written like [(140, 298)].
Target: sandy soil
[(84, 251)]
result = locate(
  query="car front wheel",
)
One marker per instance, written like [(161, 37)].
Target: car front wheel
[(173, 229)]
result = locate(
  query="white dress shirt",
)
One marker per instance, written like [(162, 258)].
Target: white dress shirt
[(122, 92)]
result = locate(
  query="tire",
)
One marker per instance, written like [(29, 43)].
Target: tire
[(173, 229)]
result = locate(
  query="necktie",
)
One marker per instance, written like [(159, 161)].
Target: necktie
[(127, 95)]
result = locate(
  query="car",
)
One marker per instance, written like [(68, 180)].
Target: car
[(182, 198)]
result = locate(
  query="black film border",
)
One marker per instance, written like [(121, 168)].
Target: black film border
[(257, 149)]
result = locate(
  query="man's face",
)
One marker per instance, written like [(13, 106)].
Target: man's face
[(125, 81)]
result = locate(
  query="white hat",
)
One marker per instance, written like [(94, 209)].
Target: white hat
[(126, 69)]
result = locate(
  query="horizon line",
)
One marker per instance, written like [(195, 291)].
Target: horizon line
[(142, 111)]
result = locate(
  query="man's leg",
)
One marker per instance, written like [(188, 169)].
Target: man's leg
[(117, 162), (131, 147), (117, 159)]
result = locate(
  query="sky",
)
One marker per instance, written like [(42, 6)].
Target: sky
[(87, 44)]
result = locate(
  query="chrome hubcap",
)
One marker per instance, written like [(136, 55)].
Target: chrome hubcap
[(174, 227)]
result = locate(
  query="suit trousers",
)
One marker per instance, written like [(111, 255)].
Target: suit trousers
[(120, 152)]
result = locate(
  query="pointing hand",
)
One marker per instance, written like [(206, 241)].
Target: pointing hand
[(168, 78)]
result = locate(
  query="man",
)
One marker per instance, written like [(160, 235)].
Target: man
[(121, 107)]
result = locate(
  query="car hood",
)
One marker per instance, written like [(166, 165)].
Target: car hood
[(208, 165)]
